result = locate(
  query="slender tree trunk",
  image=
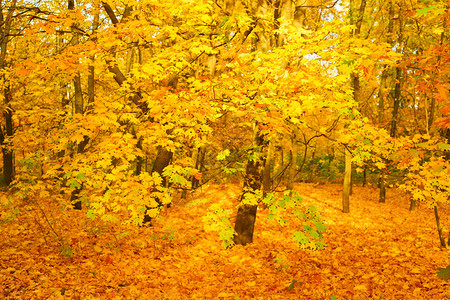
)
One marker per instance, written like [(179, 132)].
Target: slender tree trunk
[(266, 173), (78, 108), (439, 228), (140, 159), (395, 111), (294, 155), (382, 198), (364, 176), (347, 180), (381, 95), (91, 70)]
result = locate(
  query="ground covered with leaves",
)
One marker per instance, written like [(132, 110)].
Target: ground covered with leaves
[(378, 251)]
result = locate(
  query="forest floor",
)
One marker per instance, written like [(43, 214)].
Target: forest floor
[(378, 251)]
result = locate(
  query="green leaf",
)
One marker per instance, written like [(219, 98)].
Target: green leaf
[(73, 184), (425, 10), (319, 245), (444, 273), (320, 227), (222, 155), (312, 208), (444, 146), (307, 228), (291, 286), (80, 176), (300, 237), (91, 214)]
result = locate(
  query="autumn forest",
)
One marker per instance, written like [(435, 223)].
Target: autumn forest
[(224, 149)]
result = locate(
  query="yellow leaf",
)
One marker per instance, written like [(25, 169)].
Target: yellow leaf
[(224, 294), (360, 287)]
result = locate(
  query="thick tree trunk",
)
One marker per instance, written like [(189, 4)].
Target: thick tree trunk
[(347, 181), (245, 224), (6, 134), (162, 160), (7, 130), (199, 165), (412, 204), (246, 215)]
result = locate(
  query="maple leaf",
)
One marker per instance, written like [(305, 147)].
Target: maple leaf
[(444, 273)]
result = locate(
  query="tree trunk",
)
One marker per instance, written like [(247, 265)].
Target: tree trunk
[(245, 224), (382, 188), (439, 228), (347, 180), (5, 135), (412, 204), (7, 131), (140, 159), (293, 164), (162, 160), (364, 176), (164, 156), (246, 215), (396, 108), (266, 181), (78, 108), (199, 165)]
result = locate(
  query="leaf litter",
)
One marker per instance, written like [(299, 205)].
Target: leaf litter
[(378, 251)]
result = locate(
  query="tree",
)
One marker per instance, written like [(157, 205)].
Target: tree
[(6, 130)]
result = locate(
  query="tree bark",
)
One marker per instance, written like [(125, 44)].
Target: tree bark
[(246, 215), (199, 165), (412, 204), (395, 110), (347, 180), (78, 108), (293, 163), (164, 156), (162, 160), (6, 132), (439, 228), (382, 198)]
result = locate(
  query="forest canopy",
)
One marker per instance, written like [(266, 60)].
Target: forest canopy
[(115, 110)]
